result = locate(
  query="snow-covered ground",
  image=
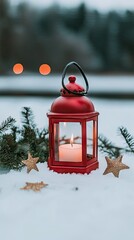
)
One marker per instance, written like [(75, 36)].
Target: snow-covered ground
[(113, 113), (96, 83), (103, 206)]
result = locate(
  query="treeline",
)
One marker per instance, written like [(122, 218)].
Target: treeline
[(56, 35)]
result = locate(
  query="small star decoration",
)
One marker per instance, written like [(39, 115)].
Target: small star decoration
[(34, 186), (114, 166), (31, 163)]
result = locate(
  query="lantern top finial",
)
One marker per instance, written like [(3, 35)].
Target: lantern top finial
[(72, 89), (72, 78), (77, 92)]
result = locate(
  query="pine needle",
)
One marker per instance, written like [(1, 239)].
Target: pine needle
[(15, 143), (8, 123), (128, 139), (108, 147), (28, 117)]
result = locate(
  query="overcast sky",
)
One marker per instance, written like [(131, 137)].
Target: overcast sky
[(102, 5)]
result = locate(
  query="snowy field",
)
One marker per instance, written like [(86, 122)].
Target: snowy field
[(103, 206), (53, 82)]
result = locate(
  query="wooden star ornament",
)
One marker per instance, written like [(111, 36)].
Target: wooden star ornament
[(31, 163), (114, 166), (36, 187)]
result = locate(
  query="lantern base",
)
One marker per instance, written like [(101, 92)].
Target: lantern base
[(82, 170)]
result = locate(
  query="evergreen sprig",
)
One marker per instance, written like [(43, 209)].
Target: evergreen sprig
[(15, 143), (111, 149), (28, 117), (128, 139), (108, 147), (8, 123)]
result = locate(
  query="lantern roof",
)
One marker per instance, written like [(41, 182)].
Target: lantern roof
[(70, 102)]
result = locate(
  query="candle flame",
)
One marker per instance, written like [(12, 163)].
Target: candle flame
[(72, 140)]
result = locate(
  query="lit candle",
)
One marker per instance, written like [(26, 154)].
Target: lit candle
[(70, 152)]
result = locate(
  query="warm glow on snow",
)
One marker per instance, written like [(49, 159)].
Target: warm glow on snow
[(44, 69), (18, 68)]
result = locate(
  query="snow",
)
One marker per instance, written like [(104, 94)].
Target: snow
[(96, 83), (103, 206)]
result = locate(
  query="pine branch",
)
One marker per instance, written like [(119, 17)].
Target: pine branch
[(114, 151), (128, 139), (8, 123), (27, 117), (108, 147), (15, 145)]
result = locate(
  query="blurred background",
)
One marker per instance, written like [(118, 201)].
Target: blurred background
[(99, 35), (38, 38)]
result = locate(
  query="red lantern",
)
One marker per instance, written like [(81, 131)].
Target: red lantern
[(73, 129)]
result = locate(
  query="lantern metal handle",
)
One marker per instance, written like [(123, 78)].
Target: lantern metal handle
[(86, 81)]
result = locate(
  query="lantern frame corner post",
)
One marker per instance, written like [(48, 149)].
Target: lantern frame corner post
[(96, 137), (50, 158), (92, 163)]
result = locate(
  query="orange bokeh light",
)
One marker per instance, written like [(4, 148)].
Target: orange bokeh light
[(18, 68), (44, 69)]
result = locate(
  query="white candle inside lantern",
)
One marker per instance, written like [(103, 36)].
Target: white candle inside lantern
[(70, 152)]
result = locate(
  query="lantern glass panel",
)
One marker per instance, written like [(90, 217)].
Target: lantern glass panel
[(90, 140), (68, 141)]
